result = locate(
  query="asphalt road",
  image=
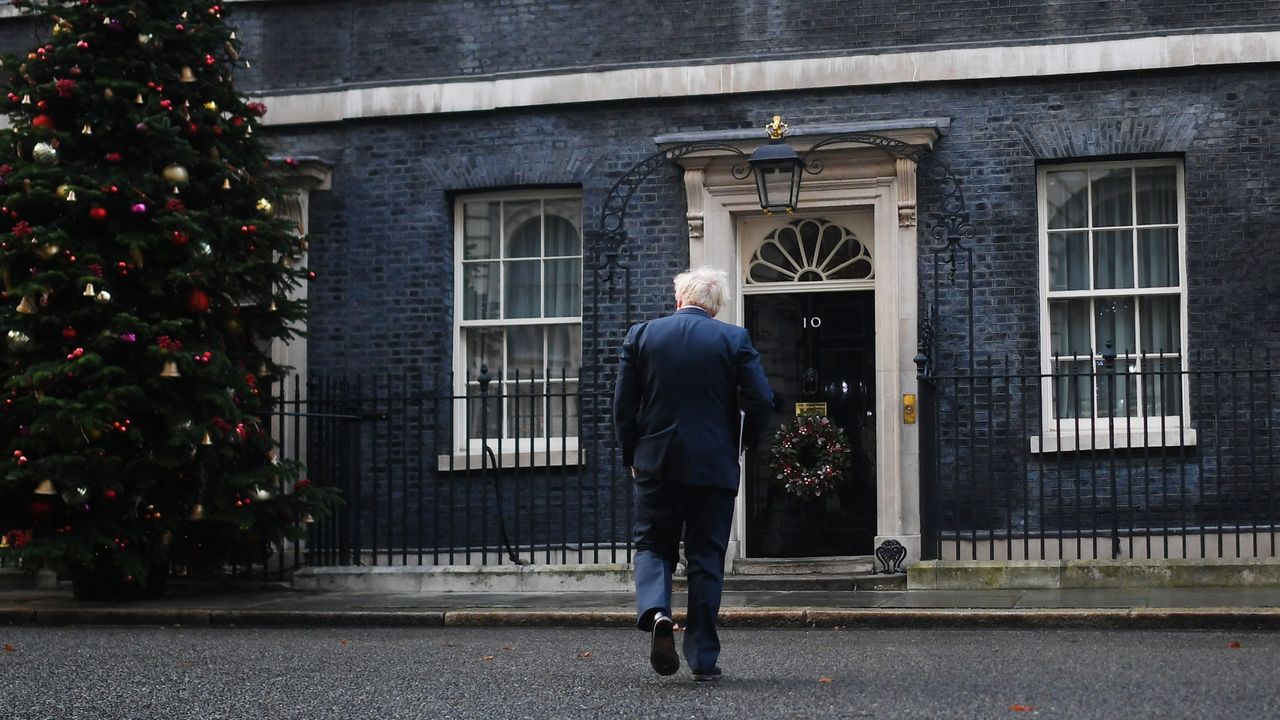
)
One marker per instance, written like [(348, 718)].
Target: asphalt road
[(120, 672)]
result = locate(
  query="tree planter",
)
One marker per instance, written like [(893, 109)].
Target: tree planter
[(106, 581)]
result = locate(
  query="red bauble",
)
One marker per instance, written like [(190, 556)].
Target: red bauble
[(198, 301), (42, 121), (98, 213), (180, 238), (69, 333), (40, 509), (114, 157)]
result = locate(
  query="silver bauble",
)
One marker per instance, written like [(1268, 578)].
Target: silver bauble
[(44, 153), (18, 341)]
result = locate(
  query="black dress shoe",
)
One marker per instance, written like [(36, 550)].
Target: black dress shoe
[(662, 649), (708, 675)]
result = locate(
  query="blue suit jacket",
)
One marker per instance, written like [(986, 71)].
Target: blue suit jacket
[(682, 381)]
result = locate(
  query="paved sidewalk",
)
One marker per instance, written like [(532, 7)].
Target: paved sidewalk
[(198, 604)]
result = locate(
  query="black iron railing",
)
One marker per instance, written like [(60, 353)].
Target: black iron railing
[(503, 473), (1119, 459)]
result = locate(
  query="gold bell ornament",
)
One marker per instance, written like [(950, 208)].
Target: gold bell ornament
[(71, 196), (169, 370), (26, 307), (206, 440), (89, 291), (87, 129), (187, 75), (46, 488), (197, 513)]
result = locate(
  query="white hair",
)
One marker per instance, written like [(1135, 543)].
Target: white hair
[(707, 287)]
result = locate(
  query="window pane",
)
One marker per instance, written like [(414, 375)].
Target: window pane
[(483, 347), (1112, 197), (480, 230), (1158, 258), (1069, 261), (1162, 387), (523, 227), (560, 226), (1117, 390), (526, 408), (1161, 324), (1115, 325), (1073, 390), (524, 289), (480, 290), (564, 288), (1068, 199), (563, 416), (524, 352), (483, 413), (1113, 259), (564, 350), (1069, 327), (1157, 195)]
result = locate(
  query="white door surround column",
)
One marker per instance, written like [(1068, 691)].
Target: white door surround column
[(853, 177)]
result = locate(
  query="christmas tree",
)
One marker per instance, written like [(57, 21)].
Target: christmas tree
[(145, 276)]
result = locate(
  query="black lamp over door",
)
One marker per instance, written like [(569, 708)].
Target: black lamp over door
[(778, 171)]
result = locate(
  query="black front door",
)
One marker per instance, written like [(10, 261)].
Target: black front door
[(816, 347)]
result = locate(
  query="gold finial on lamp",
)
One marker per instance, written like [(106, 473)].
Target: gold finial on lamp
[(776, 129)]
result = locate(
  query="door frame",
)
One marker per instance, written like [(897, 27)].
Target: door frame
[(858, 178)]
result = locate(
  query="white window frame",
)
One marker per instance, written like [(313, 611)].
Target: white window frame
[(1072, 434), (468, 453)]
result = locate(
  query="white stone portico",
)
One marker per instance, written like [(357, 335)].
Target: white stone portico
[(723, 211)]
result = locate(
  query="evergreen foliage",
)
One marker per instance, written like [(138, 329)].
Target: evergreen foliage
[(140, 242)]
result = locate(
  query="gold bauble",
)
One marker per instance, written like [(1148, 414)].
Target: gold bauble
[(108, 93), (63, 191), (265, 207), (211, 106), (46, 252), (175, 174), (103, 297)]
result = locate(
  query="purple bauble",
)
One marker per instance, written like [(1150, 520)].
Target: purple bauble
[(139, 208), (23, 429), (114, 25), (128, 337)]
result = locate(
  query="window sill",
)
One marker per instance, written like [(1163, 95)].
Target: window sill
[(539, 456), (1119, 439)]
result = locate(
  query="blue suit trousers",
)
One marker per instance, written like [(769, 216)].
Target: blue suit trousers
[(704, 515)]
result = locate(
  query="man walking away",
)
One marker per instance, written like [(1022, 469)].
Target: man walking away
[(690, 390)]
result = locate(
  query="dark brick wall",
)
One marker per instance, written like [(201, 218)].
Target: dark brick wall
[(383, 300), (317, 43)]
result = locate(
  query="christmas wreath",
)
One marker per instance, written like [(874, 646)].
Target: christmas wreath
[(810, 456)]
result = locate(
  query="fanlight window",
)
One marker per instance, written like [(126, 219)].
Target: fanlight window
[(810, 250)]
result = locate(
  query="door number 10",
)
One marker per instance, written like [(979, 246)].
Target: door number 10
[(812, 322)]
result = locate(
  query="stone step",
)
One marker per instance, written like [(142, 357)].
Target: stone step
[(815, 583), (854, 565)]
